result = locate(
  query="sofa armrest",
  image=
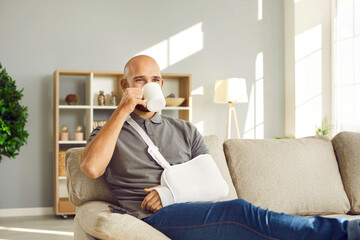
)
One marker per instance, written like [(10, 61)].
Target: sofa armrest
[(96, 219)]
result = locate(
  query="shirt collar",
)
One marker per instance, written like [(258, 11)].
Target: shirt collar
[(139, 120)]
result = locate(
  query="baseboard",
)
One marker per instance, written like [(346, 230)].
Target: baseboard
[(15, 212)]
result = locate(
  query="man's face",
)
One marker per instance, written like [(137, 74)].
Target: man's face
[(143, 71), (140, 72)]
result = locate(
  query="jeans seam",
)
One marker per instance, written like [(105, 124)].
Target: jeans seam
[(216, 223)]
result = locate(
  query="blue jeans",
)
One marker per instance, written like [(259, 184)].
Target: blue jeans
[(238, 219)]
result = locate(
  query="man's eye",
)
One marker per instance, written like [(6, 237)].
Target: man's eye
[(156, 80), (139, 80)]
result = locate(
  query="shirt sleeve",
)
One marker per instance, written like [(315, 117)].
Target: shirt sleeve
[(165, 196), (198, 146), (93, 133)]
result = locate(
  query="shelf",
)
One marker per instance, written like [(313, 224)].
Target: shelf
[(104, 107), (166, 108), (72, 142), (87, 113), (176, 108), (74, 107)]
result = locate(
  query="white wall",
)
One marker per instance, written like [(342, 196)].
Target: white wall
[(230, 38)]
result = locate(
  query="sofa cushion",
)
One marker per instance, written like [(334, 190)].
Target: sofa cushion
[(81, 188), (294, 176), (347, 149), (79, 233), (96, 219), (215, 146)]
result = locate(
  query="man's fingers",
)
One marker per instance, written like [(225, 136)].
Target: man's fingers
[(153, 203), (153, 206), (131, 98), (158, 208), (147, 199)]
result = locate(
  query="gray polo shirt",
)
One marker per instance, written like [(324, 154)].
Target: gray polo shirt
[(132, 169)]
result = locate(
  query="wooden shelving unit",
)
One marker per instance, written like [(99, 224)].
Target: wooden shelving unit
[(87, 84)]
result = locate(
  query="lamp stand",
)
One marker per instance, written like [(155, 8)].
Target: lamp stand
[(231, 108)]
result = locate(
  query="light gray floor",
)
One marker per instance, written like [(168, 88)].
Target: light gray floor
[(36, 227)]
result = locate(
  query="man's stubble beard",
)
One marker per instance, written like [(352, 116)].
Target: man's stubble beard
[(141, 108)]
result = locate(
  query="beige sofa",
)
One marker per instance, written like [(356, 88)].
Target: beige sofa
[(308, 176)]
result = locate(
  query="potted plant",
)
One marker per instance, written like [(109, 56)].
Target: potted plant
[(13, 117), (325, 128)]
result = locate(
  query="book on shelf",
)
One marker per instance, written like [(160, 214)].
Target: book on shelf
[(98, 123)]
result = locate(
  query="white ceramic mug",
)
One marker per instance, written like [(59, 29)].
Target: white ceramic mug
[(154, 97)]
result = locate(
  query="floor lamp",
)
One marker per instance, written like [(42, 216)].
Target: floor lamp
[(230, 91)]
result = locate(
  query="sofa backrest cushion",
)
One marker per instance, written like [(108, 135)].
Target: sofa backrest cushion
[(347, 150), (82, 189), (215, 146), (294, 176)]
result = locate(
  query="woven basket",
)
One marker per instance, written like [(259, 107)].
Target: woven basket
[(62, 171), (174, 102)]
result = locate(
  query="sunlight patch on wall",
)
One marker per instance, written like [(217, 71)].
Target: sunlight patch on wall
[(159, 52), (178, 47), (308, 42), (259, 88), (254, 125), (308, 81), (260, 10), (186, 43), (249, 131), (259, 110), (198, 91)]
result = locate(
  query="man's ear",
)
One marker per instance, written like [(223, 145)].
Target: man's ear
[(161, 82), (124, 84)]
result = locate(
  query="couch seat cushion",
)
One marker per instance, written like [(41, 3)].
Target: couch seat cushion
[(294, 176), (347, 149), (96, 219)]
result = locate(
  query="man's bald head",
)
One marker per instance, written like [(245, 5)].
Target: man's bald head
[(139, 71), (141, 60)]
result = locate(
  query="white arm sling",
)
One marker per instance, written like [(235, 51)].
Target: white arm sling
[(197, 180)]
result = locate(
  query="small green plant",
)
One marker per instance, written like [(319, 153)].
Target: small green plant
[(13, 117), (325, 128)]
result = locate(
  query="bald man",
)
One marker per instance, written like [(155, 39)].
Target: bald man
[(117, 151), (101, 144)]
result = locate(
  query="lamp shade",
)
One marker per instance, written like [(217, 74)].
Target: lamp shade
[(230, 90)]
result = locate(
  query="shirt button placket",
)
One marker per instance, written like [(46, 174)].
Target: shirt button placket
[(150, 130)]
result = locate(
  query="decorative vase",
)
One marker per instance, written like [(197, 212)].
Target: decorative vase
[(113, 98), (72, 99), (64, 135), (101, 99), (79, 135)]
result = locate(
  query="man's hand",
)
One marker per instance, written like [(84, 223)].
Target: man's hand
[(152, 201), (131, 98)]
